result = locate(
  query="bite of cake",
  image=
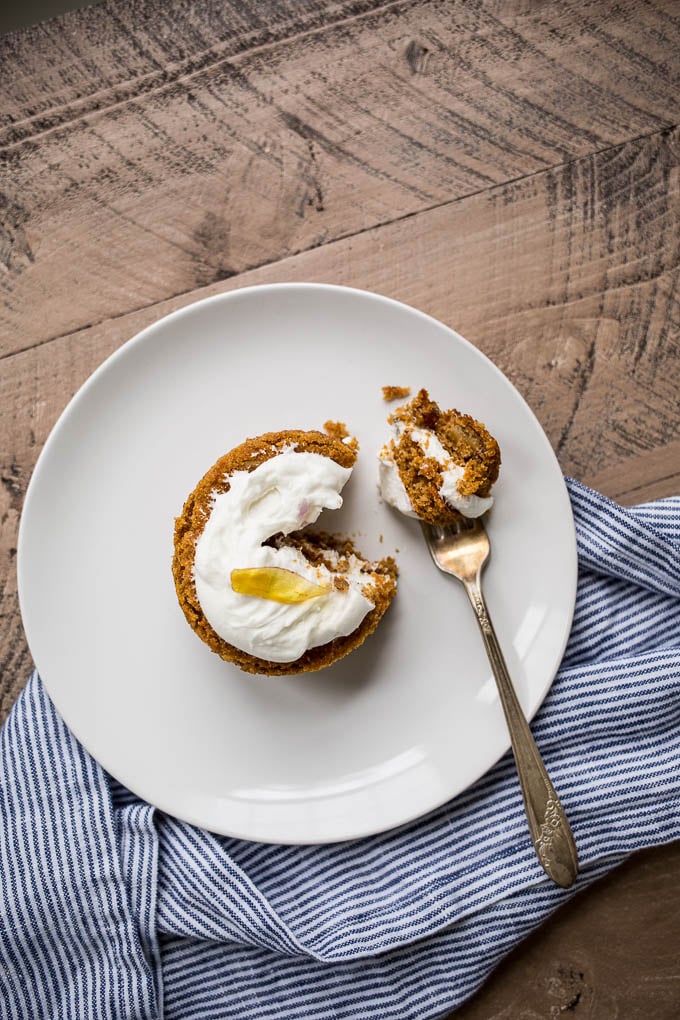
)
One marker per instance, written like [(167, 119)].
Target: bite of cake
[(261, 592), (437, 464)]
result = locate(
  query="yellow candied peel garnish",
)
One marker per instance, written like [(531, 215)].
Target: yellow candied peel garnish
[(276, 584)]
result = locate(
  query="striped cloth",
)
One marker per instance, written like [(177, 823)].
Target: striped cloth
[(111, 909)]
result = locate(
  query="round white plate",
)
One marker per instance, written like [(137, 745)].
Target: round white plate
[(399, 726)]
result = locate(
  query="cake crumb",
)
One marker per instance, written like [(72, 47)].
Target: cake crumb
[(341, 583), (338, 430), (395, 392)]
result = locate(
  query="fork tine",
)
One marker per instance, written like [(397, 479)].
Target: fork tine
[(459, 549)]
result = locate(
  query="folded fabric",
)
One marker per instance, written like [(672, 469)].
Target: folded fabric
[(111, 909)]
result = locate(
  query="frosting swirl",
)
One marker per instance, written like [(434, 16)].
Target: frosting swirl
[(285, 493)]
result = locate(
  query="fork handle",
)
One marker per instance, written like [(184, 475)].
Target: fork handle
[(548, 825)]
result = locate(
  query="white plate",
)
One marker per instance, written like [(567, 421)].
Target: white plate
[(399, 726)]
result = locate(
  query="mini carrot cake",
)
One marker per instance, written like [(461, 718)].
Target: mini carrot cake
[(437, 464), (258, 590)]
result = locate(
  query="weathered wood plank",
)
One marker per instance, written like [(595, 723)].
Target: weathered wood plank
[(611, 952), (569, 281), (100, 55), (642, 477), (153, 186)]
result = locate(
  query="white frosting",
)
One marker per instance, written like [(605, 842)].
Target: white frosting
[(392, 488), (283, 494)]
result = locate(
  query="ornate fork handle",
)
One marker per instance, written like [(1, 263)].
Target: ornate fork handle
[(548, 824)]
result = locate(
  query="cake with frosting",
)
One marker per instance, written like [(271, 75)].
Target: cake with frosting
[(437, 464), (259, 590)]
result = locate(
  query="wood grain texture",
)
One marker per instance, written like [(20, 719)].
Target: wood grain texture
[(140, 165), (610, 954), (98, 56), (587, 327)]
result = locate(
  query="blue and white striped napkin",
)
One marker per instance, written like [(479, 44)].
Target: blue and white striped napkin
[(110, 909)]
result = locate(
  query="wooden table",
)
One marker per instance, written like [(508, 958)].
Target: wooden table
[(511, 167)]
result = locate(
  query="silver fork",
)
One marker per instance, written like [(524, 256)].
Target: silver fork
[(462, 550)]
